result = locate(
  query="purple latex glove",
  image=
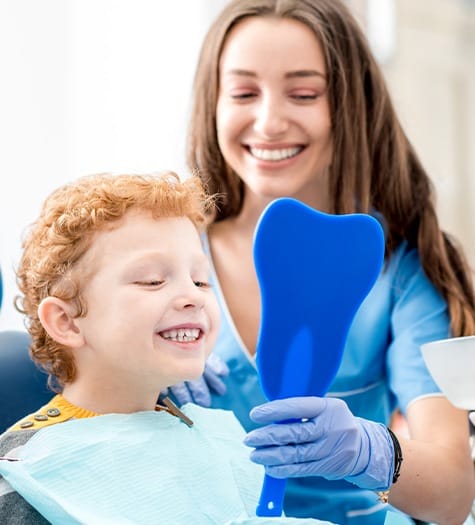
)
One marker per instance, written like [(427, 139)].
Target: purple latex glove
[(329, 442), (199, 390)]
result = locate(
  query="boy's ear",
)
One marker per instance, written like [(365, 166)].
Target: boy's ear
[(57, 318)]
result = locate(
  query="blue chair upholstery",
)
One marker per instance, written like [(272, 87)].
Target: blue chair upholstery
[(23, 387)]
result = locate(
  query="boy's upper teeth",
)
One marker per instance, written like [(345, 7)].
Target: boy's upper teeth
[(182, 334), (275, 154)]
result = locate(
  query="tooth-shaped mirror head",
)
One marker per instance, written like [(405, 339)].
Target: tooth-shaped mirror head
[(314, 271)]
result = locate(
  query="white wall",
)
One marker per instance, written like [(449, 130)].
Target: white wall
[(432, 80), (88, 86)]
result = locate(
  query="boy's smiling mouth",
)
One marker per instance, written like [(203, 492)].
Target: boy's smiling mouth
[(182, 334)]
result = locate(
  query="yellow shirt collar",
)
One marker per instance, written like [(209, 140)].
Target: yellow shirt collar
[(57, 410)]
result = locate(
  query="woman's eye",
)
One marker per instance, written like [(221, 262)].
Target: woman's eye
[(202, 284), (244, 95), (305, 96)]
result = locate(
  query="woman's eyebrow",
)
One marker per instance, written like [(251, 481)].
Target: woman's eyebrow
[(240, 72), (300, 73), (305, 73)]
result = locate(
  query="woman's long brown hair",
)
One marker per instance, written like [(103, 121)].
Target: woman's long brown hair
[(374, 166)]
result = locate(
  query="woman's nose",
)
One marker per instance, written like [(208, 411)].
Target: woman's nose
[(270, 119)]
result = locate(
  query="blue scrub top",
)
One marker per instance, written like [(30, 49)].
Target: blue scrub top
[(382, 368)]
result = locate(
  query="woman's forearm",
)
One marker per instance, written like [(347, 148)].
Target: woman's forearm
[(437, 481)]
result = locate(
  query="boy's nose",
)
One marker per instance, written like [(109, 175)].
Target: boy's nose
[(191, 297)]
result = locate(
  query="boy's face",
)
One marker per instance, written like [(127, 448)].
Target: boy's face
[(152, 318)]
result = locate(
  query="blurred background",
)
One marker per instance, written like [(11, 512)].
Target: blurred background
[(104, 85)]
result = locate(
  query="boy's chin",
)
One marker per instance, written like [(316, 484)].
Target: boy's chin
[(194, 375)]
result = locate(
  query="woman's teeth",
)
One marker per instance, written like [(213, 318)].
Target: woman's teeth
[(182, 334), (275, 154)]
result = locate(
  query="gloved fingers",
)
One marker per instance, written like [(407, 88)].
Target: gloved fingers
[(287, 455), (284, 434), (199, 392), (303, 460), (217, 365), (164, 393), (292, 471), (215, 369), (181, 393), (215, 383), (290, 408)]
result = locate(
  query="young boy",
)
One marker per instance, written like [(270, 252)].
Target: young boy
[(115, 290)]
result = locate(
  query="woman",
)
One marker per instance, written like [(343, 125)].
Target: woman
[(289, 101)]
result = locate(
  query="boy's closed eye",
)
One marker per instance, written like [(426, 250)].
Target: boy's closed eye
[(149, 282), (202, 284), (159, 282)]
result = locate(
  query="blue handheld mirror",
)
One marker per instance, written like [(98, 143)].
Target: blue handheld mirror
[(314, 271)]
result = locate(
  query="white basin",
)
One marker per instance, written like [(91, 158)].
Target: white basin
[(452, 365)]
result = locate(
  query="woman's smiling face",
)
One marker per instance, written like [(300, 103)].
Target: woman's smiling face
[(273, 116)]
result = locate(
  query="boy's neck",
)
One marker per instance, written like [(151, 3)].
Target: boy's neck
[(105, 401)]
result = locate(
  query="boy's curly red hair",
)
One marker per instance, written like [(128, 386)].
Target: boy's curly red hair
[(56, 242)]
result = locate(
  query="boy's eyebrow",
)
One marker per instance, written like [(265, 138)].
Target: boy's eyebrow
[(151, 258), (299, 73)]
